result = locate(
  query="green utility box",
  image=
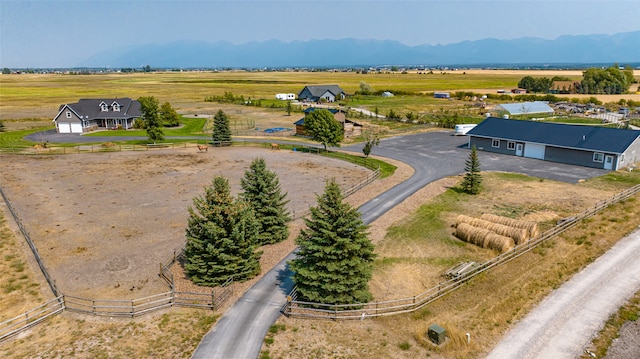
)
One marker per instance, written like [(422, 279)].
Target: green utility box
[(437, 334)]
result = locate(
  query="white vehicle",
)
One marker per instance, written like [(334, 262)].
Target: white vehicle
[(286, 96), (463, 129)]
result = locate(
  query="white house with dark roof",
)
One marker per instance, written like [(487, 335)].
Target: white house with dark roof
[(91, 114), (316, 93), (582, 145)]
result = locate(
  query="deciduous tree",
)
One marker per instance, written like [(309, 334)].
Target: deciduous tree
[(262, 191), (221, 129), (335, 260), (370, 141), (324, 128), (472, 178), (169, 117), (221, 237), (151, 117)]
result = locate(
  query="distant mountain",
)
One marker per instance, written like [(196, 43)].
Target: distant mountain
[(621, 48)]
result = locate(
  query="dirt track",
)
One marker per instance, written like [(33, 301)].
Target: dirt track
[(103, 222)]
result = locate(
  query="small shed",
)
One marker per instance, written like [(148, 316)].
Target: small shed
[(437, 334)]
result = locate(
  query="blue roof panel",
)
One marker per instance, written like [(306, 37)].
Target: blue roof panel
[(593, 138)]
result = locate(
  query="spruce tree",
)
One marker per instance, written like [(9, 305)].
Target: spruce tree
[(335, 258), (221, 237), (221, 129), (262, 190), (472, 178)]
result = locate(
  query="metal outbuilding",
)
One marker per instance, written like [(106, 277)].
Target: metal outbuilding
[(582, 145)]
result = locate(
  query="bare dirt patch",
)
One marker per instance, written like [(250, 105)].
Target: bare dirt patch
[(103, 222)]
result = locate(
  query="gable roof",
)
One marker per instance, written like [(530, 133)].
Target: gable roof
[(583, 137), (319, 90), (311, 109), (521, 108), (89, 109)]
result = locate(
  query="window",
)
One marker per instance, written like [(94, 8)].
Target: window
[(511, 145), (68, 114), (495, 143), (622, 158), (116, 106), (598, 157), (104, 108)]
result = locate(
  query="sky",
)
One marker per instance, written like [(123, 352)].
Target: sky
[(63, 33)]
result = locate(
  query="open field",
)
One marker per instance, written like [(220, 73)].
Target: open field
[(38, 96), (419, 248)]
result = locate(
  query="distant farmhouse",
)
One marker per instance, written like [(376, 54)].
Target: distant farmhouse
[(351, 128), (92, 114), (317, 93), (582, 145), (524, 108)]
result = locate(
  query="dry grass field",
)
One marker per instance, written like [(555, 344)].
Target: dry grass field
[(75, 202), (38, 96), (413, 259)]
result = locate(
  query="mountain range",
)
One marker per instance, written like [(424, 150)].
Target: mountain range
[(577, 49)]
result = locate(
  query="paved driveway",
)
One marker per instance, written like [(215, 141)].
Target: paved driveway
[(434, 155)]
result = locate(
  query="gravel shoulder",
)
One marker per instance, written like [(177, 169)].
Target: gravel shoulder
[(563, 324)]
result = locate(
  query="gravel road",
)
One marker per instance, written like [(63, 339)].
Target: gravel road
[(564, 323)]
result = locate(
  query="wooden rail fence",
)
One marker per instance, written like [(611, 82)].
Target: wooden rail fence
[(301, 309)]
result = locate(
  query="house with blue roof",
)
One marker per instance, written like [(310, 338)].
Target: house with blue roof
[(582, 145)]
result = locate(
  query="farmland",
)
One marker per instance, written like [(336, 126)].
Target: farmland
[(30, 101)]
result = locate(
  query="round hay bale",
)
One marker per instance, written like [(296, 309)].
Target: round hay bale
[(531, 227), (519, 235), (470, 234), (498, 242)]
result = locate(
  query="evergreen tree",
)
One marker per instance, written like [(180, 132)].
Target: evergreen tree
[(472, 178), (221, 129), (335, 259), (151, 117), (221, 237), (262, 190)]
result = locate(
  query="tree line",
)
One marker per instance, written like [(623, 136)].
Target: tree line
[(611, 80)]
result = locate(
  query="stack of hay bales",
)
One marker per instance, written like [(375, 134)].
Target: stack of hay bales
[(483, 237), (531, 227), (494, 232)]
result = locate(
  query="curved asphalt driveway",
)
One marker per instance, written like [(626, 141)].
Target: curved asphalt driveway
[(434, 155), (240, 331)]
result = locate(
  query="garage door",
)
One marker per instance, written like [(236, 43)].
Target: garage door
[(64, 127), (534, 151), (76, 128)]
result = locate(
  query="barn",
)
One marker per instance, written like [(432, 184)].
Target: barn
[(91, 114), (582, 145)]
